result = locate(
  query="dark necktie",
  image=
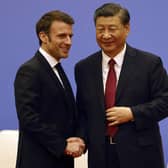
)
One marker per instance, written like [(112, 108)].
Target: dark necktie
[(71, 112), (66, 85), (110, 92), (63, 76)]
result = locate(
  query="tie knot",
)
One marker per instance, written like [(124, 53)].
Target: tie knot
[(112, 62), (58, 66)]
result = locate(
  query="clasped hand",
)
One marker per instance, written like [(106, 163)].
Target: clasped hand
[(75, 147)]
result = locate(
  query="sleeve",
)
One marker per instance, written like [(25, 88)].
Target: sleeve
[(82, 122), (147, 114), (28, 99)]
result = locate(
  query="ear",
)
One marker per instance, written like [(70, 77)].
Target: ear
[(43, 37), (127, 28)]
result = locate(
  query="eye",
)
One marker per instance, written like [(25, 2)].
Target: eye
[(62, 36), (113, 29), (71, 35), (100, 29)]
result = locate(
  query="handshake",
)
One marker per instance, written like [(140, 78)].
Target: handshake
[(75, 147)]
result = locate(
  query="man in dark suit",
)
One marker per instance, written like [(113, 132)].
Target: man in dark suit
[(139, 97), (44, 100)]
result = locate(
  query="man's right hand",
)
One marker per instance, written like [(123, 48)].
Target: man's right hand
[(75, 147)]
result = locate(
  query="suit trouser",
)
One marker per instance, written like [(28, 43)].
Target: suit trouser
[(112, 160)]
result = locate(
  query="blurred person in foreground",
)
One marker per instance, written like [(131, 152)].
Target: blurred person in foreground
[(122, 94), (44, 100)]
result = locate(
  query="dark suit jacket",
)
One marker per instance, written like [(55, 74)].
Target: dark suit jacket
[(143, 86), (47, 116)]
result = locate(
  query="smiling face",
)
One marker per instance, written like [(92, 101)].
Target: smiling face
[(58, 41), (111, 34)]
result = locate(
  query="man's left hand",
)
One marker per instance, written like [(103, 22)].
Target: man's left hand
[(118, 115)]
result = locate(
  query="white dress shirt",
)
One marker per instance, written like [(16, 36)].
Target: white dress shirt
[(105, 66), (52, 62)]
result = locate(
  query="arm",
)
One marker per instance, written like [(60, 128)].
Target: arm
[(147, 114), (28, 103), (82, 119), (157, 108)]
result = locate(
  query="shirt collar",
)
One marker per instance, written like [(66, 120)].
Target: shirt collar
[(118, 58), (51, 60)]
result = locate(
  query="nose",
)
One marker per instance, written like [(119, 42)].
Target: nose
[(106, 34), (68, 40)]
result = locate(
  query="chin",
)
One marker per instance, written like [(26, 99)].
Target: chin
[(64, 55)]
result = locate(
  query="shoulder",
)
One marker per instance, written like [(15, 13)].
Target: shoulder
[(142, 56), (30, 68), (32, 64), (89, 60)]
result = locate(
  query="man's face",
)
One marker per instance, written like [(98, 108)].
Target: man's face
[(111, 34), (58, 41)]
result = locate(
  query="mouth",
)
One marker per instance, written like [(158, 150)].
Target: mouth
[(107, 43), (110, 41), (66, 49)]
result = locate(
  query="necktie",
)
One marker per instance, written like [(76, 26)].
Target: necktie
[(110, 92), (70, 100), (63, 76), (66, 85)]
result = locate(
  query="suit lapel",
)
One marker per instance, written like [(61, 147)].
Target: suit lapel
[(69, 97), (126, 72), (98, 79), (46, 67)]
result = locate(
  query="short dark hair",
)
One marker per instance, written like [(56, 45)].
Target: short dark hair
[(47, 19), (112, 9)]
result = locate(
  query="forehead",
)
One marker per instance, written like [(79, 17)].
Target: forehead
[(110, 20), (60, 26)]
